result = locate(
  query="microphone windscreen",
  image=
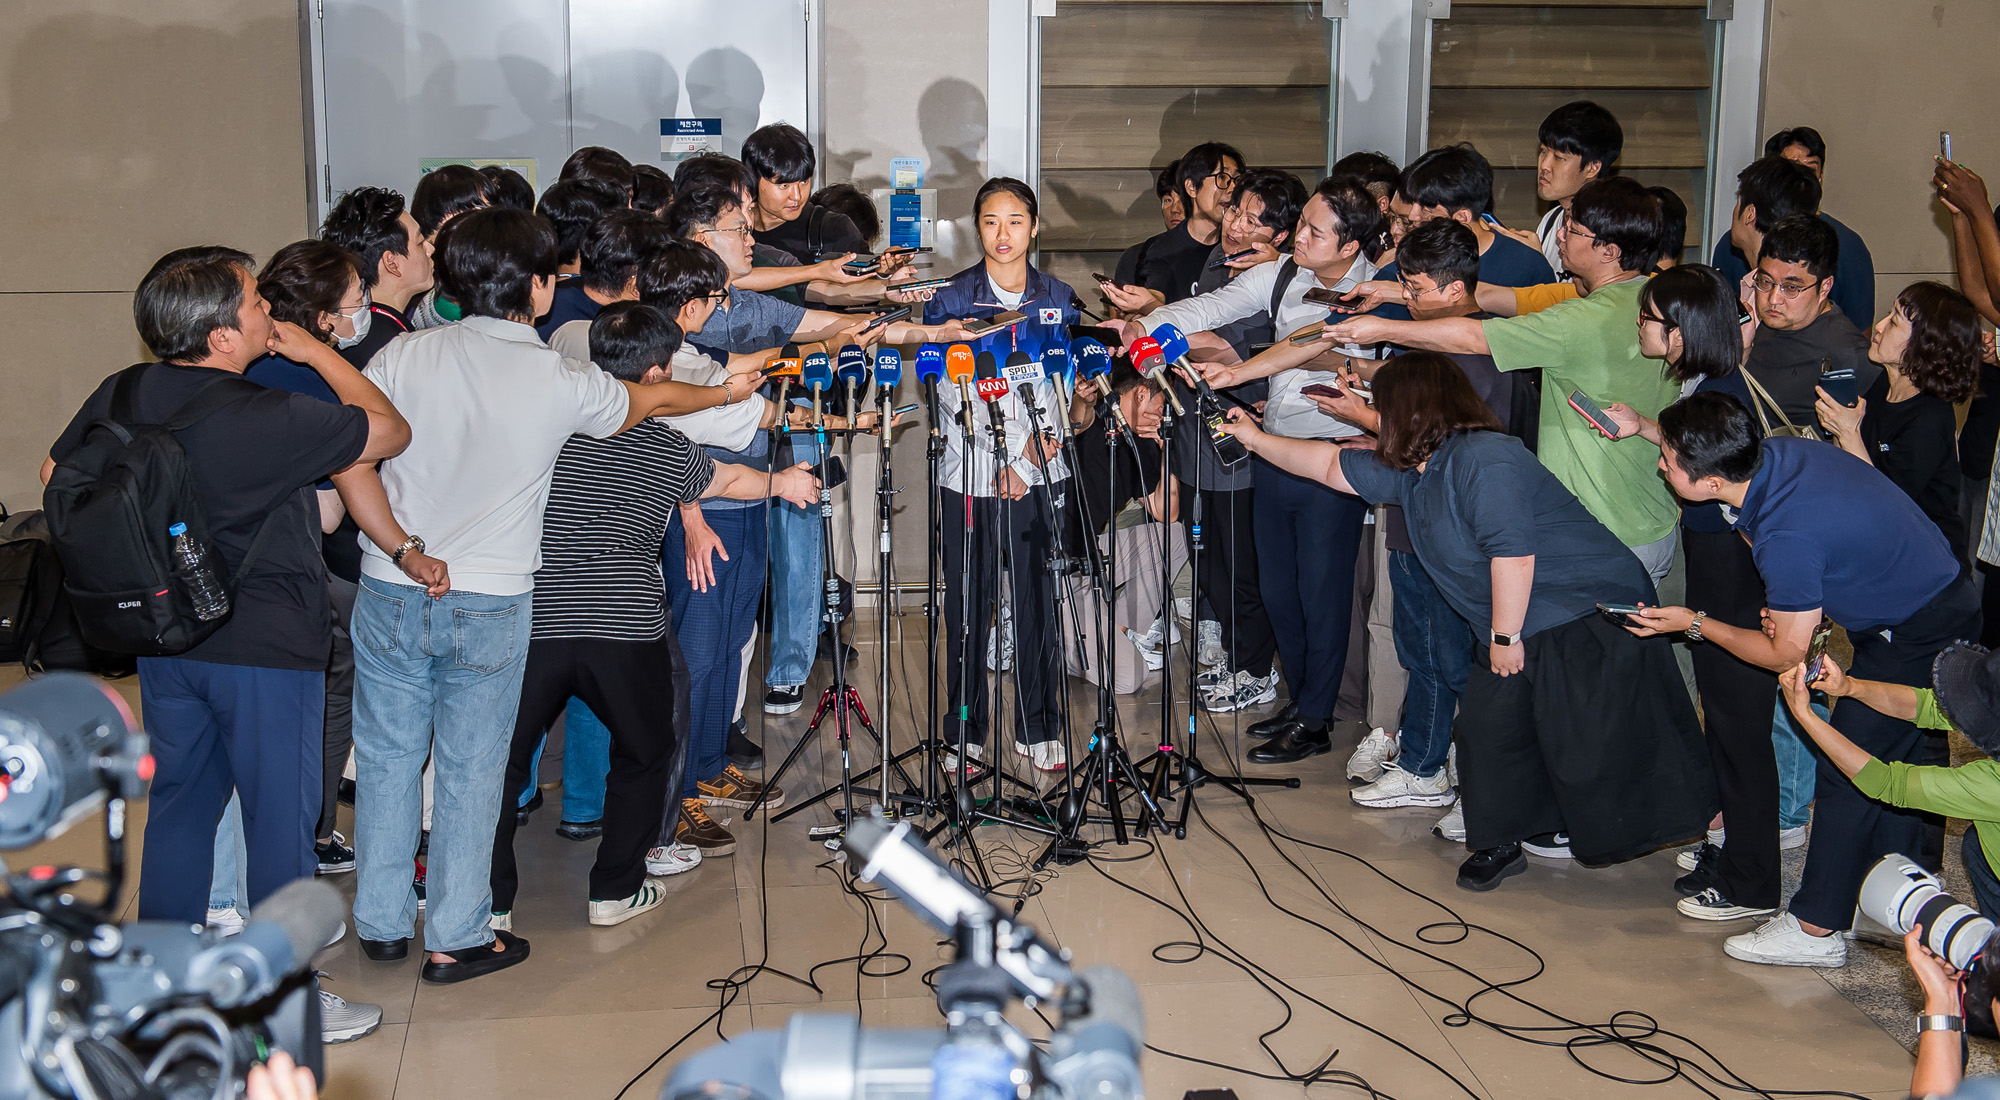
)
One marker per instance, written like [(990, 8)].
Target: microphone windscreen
[(1019, 359), (852, 368), (308, 912), (1173, 343), (930, 363), (984, 365), (817, 371), (1092, 357), (1144, 351), (888, 367), (958, 362), (1056, 362)]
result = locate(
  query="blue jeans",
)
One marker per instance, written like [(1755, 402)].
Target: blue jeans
[(713, 627), (1435, 646), (586, 763), (1796, 768), (438, 678), (797, 582), (225, 884), (216, 728)]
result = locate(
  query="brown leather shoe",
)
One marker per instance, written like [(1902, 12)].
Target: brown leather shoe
[(736, 791), (700, 830)]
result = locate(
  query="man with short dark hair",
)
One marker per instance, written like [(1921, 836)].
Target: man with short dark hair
[(245, 708), (600, 165), (781, 159), (1854, 294), (1170, 264), (1577, 143), (395, 262), (1799, 328), (1832, 538), (1456, 182), (613, 249), (571, 207)]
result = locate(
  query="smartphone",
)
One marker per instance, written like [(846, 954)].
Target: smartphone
[(1109, 337), (1816, 651), (861, 265), (893, 315), (1618, 614), (1103, 278), (921, 284), (1944, 145), (1838, 382), (1597, 416), (1228, 448), (1320, 389), (1226, 260), (996, 322), (904, 250), (1307, 334)]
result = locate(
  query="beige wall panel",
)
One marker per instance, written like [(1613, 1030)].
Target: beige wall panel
[(1140, 127), (1241, 44), (130, 128), (59, 347), (1880, 78), (1521, 47)]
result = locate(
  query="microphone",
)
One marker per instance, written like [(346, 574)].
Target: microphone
[(785, 368), (1093, 365), (1152, 362), (283, 935), (930, 368), (888, 375), (1228, 448), (851, 368), (817, 373), (992, 386), (958, 365)]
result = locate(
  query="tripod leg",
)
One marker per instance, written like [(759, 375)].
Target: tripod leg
[(825, 701)]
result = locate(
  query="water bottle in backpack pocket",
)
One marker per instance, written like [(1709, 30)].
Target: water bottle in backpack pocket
[(194, 568)]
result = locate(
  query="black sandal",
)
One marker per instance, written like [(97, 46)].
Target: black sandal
[(477, 962)]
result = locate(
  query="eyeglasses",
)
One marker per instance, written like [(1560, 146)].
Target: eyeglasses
[(1788, 291), (1649, 318), (1401, 224), (1225, 179), (743, 230), (718, 296), (1570, 228), (354, 315), (1415, 291)]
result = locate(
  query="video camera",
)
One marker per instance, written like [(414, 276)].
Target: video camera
[(151, 1010), (1900, 896), (978, 1054)]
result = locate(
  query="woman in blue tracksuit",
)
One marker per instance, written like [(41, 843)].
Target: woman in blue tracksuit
[(1006, 506)]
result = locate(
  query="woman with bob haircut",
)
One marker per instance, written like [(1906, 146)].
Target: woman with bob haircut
[(1569, 736)]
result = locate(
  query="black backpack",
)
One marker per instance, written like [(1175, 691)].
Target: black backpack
[(109, 503), (37, 626)]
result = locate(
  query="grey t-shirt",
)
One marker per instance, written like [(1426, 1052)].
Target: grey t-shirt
[(1788, 363), (752, 322), (1482, 496)]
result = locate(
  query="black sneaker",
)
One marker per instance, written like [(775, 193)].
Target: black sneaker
[(527, 809), (1707, 872), (1484, 869), (580, 830), (334, 856), (743, 752), (784, 700)]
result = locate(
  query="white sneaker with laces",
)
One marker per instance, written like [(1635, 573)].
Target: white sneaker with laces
[(1556, 848), (1154, 658), (973, 755), (341, 1021), (1789, 839), (226, 921), (1245, 689), (1781, 942), (1711, 905), (1209, 679), (674, 859), (1452, 825), (1184, 608), (1400, 788), (1046, 756), (604, 914), (1209, 652), (1374, 751)]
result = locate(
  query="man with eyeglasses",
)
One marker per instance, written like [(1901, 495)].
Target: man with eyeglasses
[(1171, 263), (1799, 328)]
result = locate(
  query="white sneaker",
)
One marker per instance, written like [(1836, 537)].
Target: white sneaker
[(1781, 942), (1209, 652), (1789, 839), (226, 921), (1452, 825), (1400, 788), (1046, 756), (1184, 608), (1375, 751), (604, 914), (338, 935), (1151, 654), (1157, 637), (1209, 679), (341, 1021), (1241, 691), (973, 755), (1557, 848), (1451, 763), (999, 649), (674, 859)]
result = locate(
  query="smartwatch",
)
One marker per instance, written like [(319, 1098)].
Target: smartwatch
[(1500, 639)]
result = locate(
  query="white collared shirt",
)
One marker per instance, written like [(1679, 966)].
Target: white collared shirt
[(490, 406), (732, 427)]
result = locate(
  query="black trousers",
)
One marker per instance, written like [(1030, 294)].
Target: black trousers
[(630, 686), (1308, 537), (1737, 699), (1851, 831), (339, 703), (1013, 537), (1595, 737), (1226, 573)]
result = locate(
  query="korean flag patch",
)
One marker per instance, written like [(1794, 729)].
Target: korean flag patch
[(1052, 316)]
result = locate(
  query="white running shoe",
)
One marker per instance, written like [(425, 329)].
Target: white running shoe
[(1209, 652), (226, 921), (1399, 788), (1557, 847), (1184, 608), (1374, 751), (1156, 637), (1209, 679), (1452, 825), (674, 859), (342, 1021), (1789, 839), (1046, 756), (1151, 654), (973, 755), (1244, 690), (1781, 942), (604, 914)]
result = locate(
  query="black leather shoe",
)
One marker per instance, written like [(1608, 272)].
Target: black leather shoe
[(384, 951), (580, 830), (1269, 726), (477, 962), (1292, 742), (528, 809), (1485, 868)]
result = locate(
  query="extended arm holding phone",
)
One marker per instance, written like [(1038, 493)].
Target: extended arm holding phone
[(1778, 647)]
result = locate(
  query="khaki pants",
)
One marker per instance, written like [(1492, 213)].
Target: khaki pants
[(1135, 556)]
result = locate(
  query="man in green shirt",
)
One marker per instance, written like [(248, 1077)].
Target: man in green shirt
[(1966, 687), (1610, 240)]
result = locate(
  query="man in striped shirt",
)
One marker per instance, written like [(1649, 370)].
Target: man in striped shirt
[(600, 628)]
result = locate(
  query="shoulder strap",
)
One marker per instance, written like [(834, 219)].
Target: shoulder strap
[(1763, 398), (1286, 269), (815, 216), (125, 394)]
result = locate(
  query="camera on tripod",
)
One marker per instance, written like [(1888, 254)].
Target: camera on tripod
[(1900, 895), (94, 1010)]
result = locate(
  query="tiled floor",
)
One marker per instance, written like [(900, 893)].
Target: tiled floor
[(1357, 961)]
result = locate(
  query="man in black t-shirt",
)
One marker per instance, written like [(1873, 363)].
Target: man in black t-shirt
[(1799, 328), (1171, 263), (783, 161), (244, 708), (1114, 469)]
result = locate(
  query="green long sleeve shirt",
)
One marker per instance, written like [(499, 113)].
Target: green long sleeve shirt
[(1970, 791)]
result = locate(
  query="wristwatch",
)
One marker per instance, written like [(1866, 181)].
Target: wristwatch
[(1500, 639), (414, 542), (1940, 1023), (1693, 631)]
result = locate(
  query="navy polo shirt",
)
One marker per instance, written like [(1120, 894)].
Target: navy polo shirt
[(1830, 532), (571, 304)]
